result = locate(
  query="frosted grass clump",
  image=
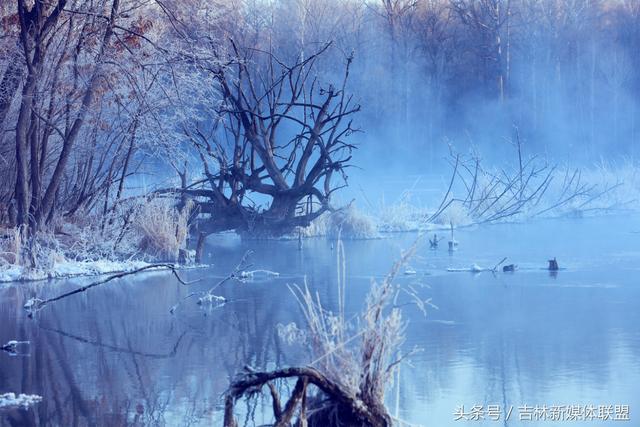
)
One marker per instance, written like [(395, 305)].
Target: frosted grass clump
[(11, 246), (360, 353), (163, 228), (351, 223), (319, 227), (291, 334), (403, 215)]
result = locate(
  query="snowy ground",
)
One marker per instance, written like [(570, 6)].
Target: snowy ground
[(8, 400), (14, 273)]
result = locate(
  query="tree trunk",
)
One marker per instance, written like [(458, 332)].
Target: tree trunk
[(22, 162), (70, 138), (9, 84)]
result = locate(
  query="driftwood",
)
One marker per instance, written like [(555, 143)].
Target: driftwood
[(346, 409), (12, 346)]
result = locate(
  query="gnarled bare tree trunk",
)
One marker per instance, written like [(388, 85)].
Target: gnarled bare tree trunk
[(280, 136)]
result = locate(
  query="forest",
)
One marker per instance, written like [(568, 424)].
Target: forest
[(136, 134)]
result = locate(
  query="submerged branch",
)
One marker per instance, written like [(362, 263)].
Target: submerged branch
[(36, 304), (209, 296)]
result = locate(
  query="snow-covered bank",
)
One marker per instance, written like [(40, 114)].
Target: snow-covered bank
[(66, 268), (69, 269), (141, 232), (8, 400)]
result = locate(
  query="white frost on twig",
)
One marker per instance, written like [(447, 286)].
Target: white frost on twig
[(212, 299), (258, 273), (291, 334)]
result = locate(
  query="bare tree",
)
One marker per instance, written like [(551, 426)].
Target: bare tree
[(35, 198), (279, 139), (490, 22)]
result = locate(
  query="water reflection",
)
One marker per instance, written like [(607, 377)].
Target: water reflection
[(115, 356)]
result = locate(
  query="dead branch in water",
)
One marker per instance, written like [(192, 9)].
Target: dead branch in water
[(353, 410), (236, 273), (444, 204), (489, 195), (495, 268), (36, 304)]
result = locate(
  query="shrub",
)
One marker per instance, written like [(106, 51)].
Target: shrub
[(11, 244), (350, 223), (456, 214), (353, 360), (403, 215), (346, 223)]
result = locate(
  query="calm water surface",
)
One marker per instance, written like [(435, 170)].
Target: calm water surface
[(116, 356)]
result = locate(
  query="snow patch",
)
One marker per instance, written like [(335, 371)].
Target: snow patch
[(67, 268), (258, 274), (25, 400), (212, 299), (11, 273)]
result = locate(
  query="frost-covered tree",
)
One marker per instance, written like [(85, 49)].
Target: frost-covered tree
[(75, 95)]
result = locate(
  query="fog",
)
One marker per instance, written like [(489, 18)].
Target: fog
[(563, 73), (435, 74)]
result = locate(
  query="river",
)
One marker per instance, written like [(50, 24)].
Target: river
[(505, 342)]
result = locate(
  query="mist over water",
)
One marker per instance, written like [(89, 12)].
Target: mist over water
[(465, 73)]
